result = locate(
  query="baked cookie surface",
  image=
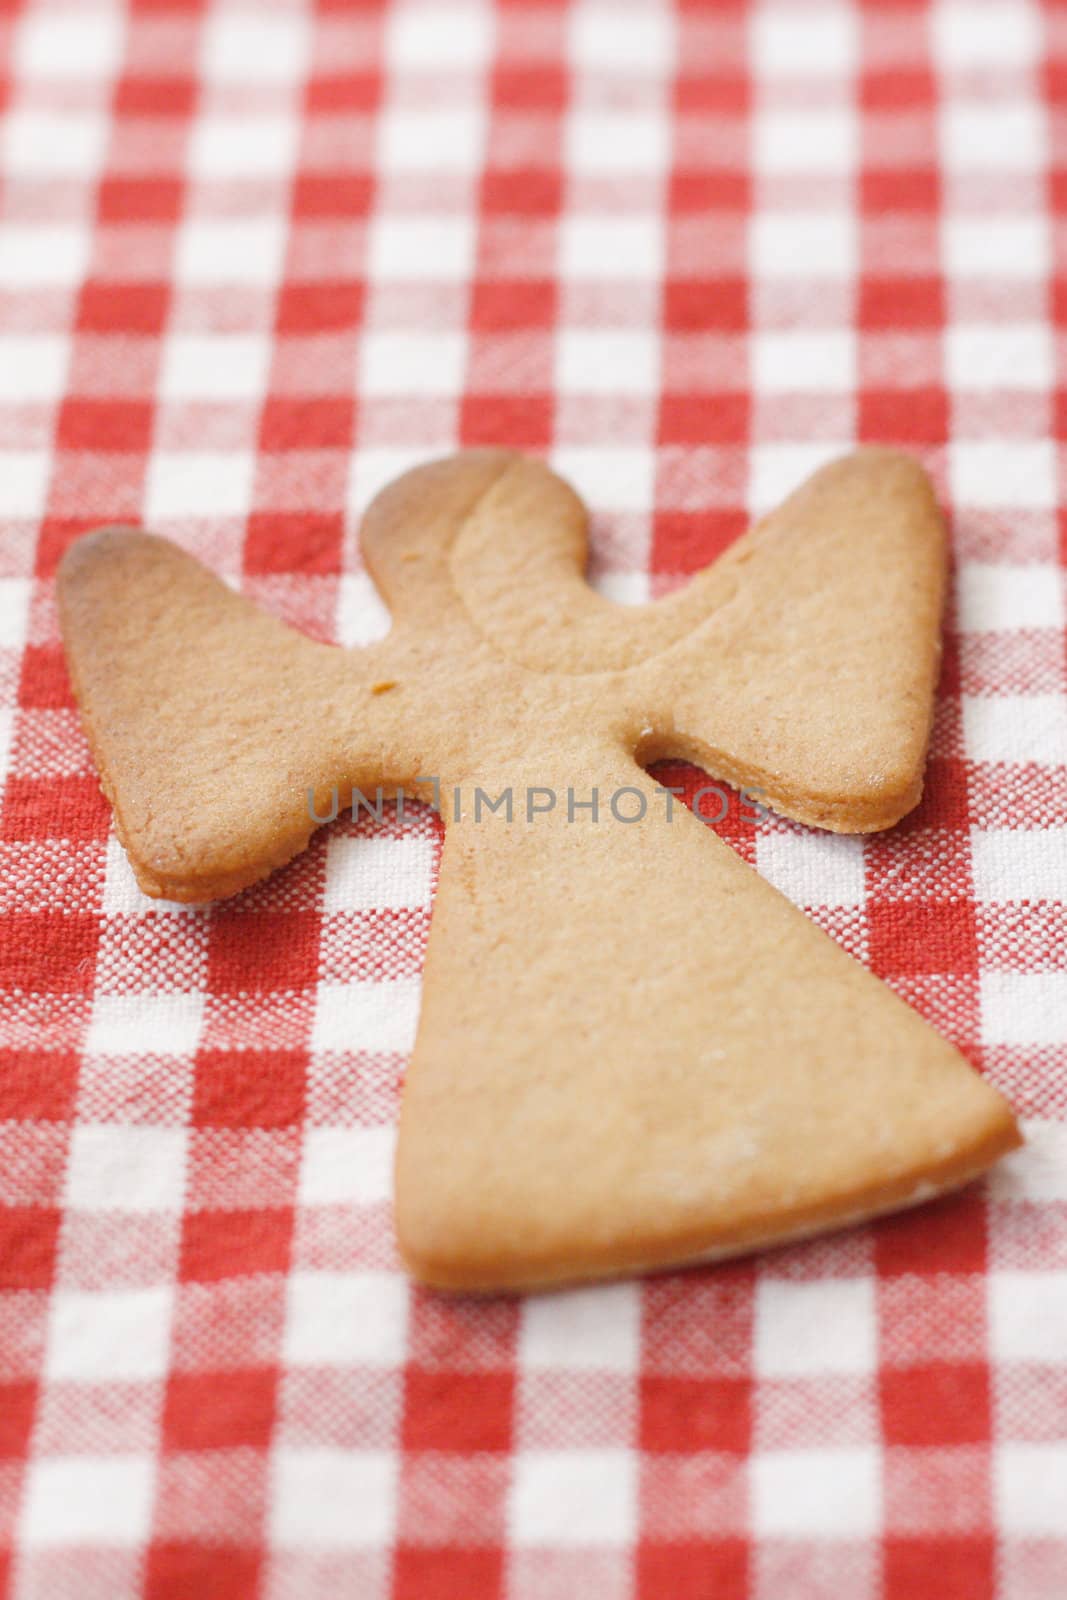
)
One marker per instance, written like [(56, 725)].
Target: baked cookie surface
[(632, 1051)]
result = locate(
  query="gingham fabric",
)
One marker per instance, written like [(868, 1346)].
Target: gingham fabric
[(255, 259)]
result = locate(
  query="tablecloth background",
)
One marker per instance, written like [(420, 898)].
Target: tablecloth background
[(256, 258)]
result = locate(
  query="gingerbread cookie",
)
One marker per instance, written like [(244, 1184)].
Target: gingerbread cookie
[(632, 1051)]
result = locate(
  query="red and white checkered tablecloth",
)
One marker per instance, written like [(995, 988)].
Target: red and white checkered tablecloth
[(256, 257)]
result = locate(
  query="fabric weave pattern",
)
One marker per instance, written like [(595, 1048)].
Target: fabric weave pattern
[(256, 258)]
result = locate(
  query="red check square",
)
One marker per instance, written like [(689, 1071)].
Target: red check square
[(232, 1244)]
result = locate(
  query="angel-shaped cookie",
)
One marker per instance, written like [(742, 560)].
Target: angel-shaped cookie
[(632, 1051)]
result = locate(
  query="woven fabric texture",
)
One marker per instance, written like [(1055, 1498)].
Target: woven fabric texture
[(256, 258)]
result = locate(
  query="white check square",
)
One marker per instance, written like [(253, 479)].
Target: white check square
[(347, 1166), (804, 43), (616, 248), (24, 477), (808, 362), (1030, 1488), (604, 37), (420, 38), (813, 869), (1024, 1008), (215, 366), (803, 244), (996, 596), (367, 1016), (985, 358), (606, 142), (812, 1494), (90, 1501), (1017, 475), (1016, 728), (228, 147), (53, 144), (1028, 1316), (827, 1326), (426, 247), (104, 1335), (595, 1329), (255, 46), (611, 480), (362, 615), (1019, 864), (14, 612), (420, 364), (61, 42), (573, 1497), (33, 366), (778, 469), (371, 872), (600, 361), (199, 483), (984, 136), (1036, 1172), (999, 34), (996, 246), (113, 1167), (373, 468), (7, 736), (624, 588), (448, 140), (123, 895), (332, 1499), (245, 251), (817, 141), (145, 1024), (36, 256), (346, 1319)]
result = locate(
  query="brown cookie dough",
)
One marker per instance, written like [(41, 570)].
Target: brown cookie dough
[(632, 1051)]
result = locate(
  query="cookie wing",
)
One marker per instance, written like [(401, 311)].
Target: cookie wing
[(814, 682), (801, 663), (208, 720)]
